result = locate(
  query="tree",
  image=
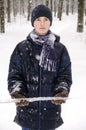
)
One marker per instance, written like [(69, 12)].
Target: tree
[(47, 3), (51, 4), (60, 7), (2, 20), (29, 9), (67, 7), (22, 11), (15, 8), (80, 24), (55, 8), (8, 11), (72, 6)]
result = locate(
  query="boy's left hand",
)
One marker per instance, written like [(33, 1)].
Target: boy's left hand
[(61, 94)]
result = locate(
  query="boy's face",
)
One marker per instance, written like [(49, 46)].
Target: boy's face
[(42, 25)]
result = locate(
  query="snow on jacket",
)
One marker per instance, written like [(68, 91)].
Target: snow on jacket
[(25, 76)]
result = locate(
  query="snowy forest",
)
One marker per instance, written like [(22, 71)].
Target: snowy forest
[(69, 22), (10, 9)]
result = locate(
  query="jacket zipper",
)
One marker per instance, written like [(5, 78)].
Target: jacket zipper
[(40, 85)]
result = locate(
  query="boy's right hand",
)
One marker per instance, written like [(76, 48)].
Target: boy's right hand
[(22, 102)]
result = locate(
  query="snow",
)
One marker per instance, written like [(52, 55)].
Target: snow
[(73, 112)]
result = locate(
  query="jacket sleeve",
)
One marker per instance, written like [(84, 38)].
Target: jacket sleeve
[(64, 75), (16, 81)]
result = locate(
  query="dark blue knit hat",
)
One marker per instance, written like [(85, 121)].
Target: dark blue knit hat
[(39, 11)]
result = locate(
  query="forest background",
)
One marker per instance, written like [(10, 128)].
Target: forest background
[(10, 9)]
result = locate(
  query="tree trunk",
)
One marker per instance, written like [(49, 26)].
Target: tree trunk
[(67, 7), (80, 24), (8, 11), (51, 5), (55, 6), (72, 6), (15, 8), (22, 7), (29, 9), (47, 3), (60, 7), (2, 20)]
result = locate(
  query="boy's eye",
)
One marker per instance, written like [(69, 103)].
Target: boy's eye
[(38, 19), (46, 19)]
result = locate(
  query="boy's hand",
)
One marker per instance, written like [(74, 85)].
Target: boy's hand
[(22, 102), (61, 94)]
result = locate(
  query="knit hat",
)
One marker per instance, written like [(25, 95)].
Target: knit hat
[(39, 11)]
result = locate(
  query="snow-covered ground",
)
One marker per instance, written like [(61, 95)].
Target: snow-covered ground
[(74, 111)]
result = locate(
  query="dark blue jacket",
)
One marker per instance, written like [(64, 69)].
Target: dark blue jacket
[(28, 78)]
